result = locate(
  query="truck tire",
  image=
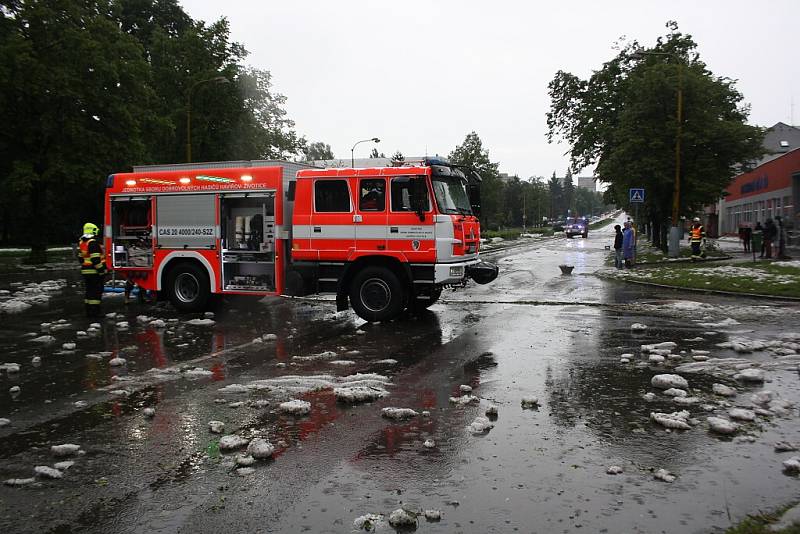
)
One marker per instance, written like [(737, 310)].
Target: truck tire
[(419, 305), (188, 288), (376, 294), (585, 235)]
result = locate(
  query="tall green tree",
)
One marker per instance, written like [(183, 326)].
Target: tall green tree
[(569, 193), (623, 119), (75, 99), (471, 153), (375, 154), (557, 206), (317, 151)]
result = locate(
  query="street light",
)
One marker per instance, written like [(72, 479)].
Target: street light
[(216, 79), (352, 150), (674, 231)]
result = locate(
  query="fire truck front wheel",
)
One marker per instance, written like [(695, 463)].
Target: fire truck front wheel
[(188, 287), (376, 294)]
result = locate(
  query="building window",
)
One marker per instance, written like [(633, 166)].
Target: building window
[(331, 196)]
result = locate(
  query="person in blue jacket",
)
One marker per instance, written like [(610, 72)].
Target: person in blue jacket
[(628, 244)]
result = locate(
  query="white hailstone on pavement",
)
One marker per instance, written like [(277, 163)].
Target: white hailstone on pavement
[(367, 522), (674, 420), (686, 401), (638, 326), (614, 470), (68, 346), (429, 444), (14, 390), (10, 367), (260, 403), (234, 389), (530, 402), (19, 481), (117, 362), (149, 412), (721, 426), (741, 414), (792, 465), (464, 388), (36, 360), (80, 404), (750, 375), (158, 323), (480, 425), (216, 427), (780, 407), (669, 381), (260, 448), (664, 475), (119, 392), (245, 471), (649, 397), (269, 337), (425, 413), (295, 407), (63, 466), (209, 315), (666, 345), (464, 399), (723, 390), (398, 413), (675, 392), (624, 360), (491, 410), (236, 404), (81, 333), (402, 518), (198, 371), (785, 446), (232, 442), (244, 460), (123, 325), (655, 358), (96, 326), (699, 357), (762, 397), (45, 471), (357, 394), (201, 322), (433, 515), (4, 422), (44, 339)]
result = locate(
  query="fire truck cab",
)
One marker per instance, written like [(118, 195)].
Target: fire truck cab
[(383, 240)]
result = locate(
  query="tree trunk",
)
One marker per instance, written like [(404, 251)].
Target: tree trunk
[(38, 225)]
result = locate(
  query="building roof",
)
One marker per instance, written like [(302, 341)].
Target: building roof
[(778, 140)]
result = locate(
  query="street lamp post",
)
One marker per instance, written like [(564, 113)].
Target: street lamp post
[(352, 150), (216, 79), (674, 242)]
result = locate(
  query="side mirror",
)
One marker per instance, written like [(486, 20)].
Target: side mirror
[(474, 193)]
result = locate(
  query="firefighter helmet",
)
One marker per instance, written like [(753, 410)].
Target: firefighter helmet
[(90, 229), (696, 219)]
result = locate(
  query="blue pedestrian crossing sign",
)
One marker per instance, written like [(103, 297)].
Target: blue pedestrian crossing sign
[(636, 195)]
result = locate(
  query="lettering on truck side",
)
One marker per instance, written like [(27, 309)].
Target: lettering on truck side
[(186, 231)]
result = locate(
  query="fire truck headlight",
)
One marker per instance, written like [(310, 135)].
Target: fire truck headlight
[(457, 271)]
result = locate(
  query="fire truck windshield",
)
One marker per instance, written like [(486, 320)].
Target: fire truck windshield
[(451, 195)]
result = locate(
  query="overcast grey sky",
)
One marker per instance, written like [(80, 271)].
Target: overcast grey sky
[(421, 75)]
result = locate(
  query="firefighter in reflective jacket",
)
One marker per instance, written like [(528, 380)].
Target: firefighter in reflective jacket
[(697, 235), (93, 268)]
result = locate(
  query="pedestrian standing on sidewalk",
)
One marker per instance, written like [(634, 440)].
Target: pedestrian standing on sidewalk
[(781, 239), (618, 246), (770, 233), (628, 243), (758, 237), (747, 234)]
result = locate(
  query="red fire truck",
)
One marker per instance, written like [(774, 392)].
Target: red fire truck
[(384, 239)]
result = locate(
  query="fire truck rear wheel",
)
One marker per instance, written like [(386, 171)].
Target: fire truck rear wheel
[(188, 288), (376, 294)]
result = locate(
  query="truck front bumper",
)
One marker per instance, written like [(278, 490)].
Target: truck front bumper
[(456, 273)]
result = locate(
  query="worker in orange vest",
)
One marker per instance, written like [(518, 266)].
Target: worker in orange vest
[(93, 268), (697, 235)]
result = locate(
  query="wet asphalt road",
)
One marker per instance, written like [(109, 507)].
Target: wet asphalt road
[(532, 332)]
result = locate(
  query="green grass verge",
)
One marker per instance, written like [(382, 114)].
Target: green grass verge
[(759, 524), (514, 233), (763, 278), (601, 223)]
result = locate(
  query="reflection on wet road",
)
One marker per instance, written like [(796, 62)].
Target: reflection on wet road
[(533, 332)]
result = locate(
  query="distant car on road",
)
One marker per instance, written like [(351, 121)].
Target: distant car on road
[(576, 226)]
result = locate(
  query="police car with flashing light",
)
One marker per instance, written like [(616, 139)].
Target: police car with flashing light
[(576, 226)]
